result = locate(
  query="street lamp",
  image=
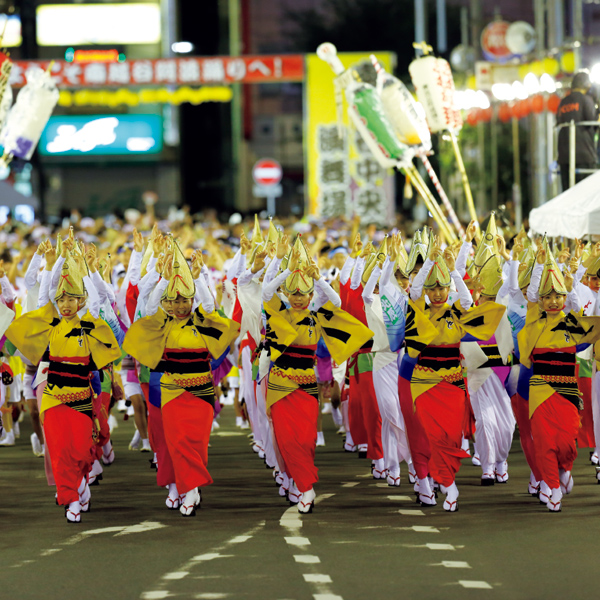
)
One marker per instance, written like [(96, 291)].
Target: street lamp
[(531, 84), (595, 73), (182, 47), (547, 83)]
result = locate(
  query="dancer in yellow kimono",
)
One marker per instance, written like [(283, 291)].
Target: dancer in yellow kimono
[(548, 344), (292, 335), (75, 347), (183, 345), (437, 382)]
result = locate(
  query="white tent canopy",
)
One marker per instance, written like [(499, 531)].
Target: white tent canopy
[(572, 214)]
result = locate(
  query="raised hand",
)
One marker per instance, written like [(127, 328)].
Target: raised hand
[(245, 244), (569, 279), (471, 230), (450, 259), (260, 260), (357, 246), (563, 256), (313, 271), (138, 241), (167, 271), (283, 247)]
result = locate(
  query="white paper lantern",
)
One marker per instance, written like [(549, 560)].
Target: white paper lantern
[(432, 78), (29, 115)]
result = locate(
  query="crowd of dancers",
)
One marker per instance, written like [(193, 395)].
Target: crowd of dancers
[(416, 349)]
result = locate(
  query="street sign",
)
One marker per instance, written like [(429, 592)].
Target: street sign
[(267, 172), (493, 42), (267, 191)]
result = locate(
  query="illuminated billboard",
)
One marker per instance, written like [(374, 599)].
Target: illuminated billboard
[(102, 135), (11, 26), (88, 24)]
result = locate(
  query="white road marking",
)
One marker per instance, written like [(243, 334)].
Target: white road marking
[(440, 546), (155, 595), (187, 567), (118, 531), (380, 485), (211, 596), (297, 541), (316, 578), (476, 585), (412, 513), (291, 518), (349, 484), (327, 597), (400, 498), (306, 558), (455, 564), (210, 556), (50, 551), (176, 575), (240, 539), (322, 497), (423, 529)]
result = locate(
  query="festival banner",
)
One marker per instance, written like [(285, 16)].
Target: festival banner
[(212, 70), (342, 175)]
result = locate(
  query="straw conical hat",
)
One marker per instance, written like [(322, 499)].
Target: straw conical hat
[(298, 281), (552, 277), (182, 282)]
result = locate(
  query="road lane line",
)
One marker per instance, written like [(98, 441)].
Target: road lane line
[(297, 541), (316, 578), (475, 585), (176, 575), (306, 558)]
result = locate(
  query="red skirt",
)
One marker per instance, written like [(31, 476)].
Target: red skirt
[(586, 438), (69, 438), (187, 422), (101, 414), (554, 427), (295, 425), (364, 415), (521, 410), (418, 442), (165, 473), (441, 411)]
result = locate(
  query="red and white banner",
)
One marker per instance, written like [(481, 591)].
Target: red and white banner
[(168, 71)]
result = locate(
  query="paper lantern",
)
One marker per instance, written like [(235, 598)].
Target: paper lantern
[(567, 62), (432, 78), (552, 103), (504, 113), (551, 66), (525, 108), (536, 68), (473, 117), (486, 114), (406, 116), (29, 115), (524, 70), (537, 104)]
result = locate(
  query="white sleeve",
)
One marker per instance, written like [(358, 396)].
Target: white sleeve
[(246, 278), (463, 255), (416, 287), (56, 270), (100, 287), (370, 287), (572, 302), (93, 298), (31, 276), (579, 274), (135, 267), (533, 291), (237, 265), (346, 270), (328, 293), (272, 269), (147, 284), (204, 295), (8, 291), (359, 267), (155, 297), (505, 290), (464, 296), (44, 295), (386, 272), (269, 289)]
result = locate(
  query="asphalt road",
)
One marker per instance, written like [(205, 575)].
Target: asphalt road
[(364, 540)]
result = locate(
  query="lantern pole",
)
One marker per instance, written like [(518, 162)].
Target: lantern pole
[(516, 174)]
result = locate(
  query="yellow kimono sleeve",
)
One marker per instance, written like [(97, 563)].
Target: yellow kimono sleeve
[(146, 338), (30, 333), (342, 333), (104, 347), (218, 332), (279, 332), (479, 321), (419, 331)]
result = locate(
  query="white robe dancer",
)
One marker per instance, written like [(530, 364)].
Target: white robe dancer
[(385, 382), (494, 417)]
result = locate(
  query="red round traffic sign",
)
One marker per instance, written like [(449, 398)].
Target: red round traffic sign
[(267, 171), (493, 41)]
